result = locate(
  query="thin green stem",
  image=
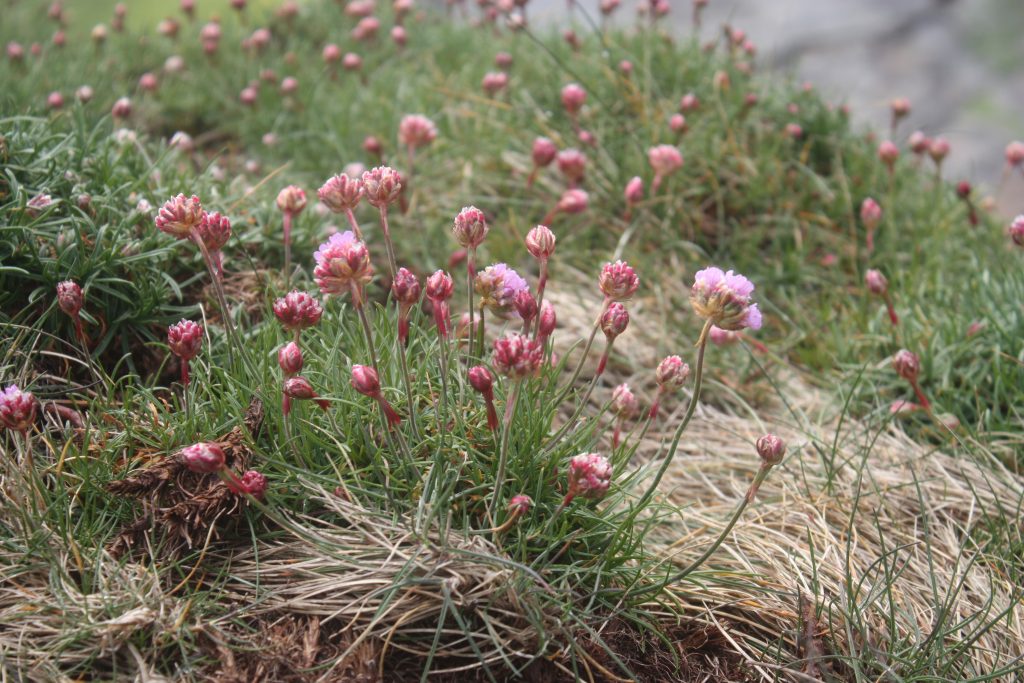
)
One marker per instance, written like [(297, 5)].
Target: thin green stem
[(367, 330), (499, 480), (388, 246), (470, 267)]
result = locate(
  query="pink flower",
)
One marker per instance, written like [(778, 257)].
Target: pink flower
[(720, 337), (248, 96), (297, 311), (624, 403), (544, 152), (55, 100), (771, 449), (185, 339), (573, 97), (69, 297), (1015, 154), (331, 53), (289, 358), (17, 409), (148, 82), (494, 82), (15, 52), (179, 216), (203, 458), (876, 282), (382, 186), (590, 475), (573, 165), (292, 200), (503, 60), (406, 287), (689, 102), (677, 124), (517, 356), (540, 242), (252, 482), (498, 286), (573, 201), (546, 322), (84, 94), (481, 379), (352, 62), (919, 142), (122, 108), (416, 130), (794, 130), (366, 382), (888, 153), (519, 505), (343, 265), (440, 286), (1017, 230), (366, 29), (289, 85), (870, 213), (300, 389), (724, 299), (664, 159), (671, 373), (618, 281), (525, 305), (614, 321), (900, 107), (470, 227), (938, 150), (340, 193), (907, 365), (634, 191), (214, 230)]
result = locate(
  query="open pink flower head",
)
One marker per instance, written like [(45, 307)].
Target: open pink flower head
[(517, 356), (440, 286), (342, 262), (17, 408), (614, 321), (590, 475), (416, 130), (470, 227), (70, 297), (382, 186), (340, 193), (214, 230), (573, 201), (876, 282), (298, 310), (573, 98), (497, 286), (664, 159), (540, 242), (907, 365), (204, 457), (618, 281), (572, 163), (179, 215), (1017, 230), (185, 339), (624, 403), (724, 299), (543, 152), (292, 200), (870, 213)]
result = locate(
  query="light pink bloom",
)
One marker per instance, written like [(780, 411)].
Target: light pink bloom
[(70, 297), (382, 186), (416, 130), (179, 216), (341, 192), (122, 108), (17, 409), (618, 281), (343, 265), (470, 227), (590, 475), (497, 286), (202, 458), (724, 299), (517, 356), (938, 150), (297, 311)]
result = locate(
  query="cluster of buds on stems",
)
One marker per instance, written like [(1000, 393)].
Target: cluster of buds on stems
[(208, 458)]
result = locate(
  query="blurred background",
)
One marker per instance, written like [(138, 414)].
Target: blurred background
[(960, 62)]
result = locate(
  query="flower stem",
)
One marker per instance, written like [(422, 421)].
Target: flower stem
[(470, 269), (218, 289), (499, 480), (392, 264), (287, 250), (367, 332), (354, 224), (586, 352), (542, 282)]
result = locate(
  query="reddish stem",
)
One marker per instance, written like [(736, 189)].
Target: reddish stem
[(184, 372), (616, 434), (893, 318), (922, 399), (870, 241), (532, 176), (390, 414), (492, 414)]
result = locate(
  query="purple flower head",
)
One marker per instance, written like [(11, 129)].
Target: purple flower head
[(724, 299), (498, 286)]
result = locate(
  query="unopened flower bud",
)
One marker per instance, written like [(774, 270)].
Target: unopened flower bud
[(671, 373), (291, 200), (470, 227), (540, 242), (289, 357), (440, 286), (614, 321), (298, 310), (340, 193), (1017, 230), (382, 185), (519, 505), (876, 282), (624, 403), (202, 458), (618, 281), (634, 192), (870, 213), (544, 152), (406, 287), (365, 380), (517, 356), (69, 297), (481, 379), (771, 449), (546, 323), (888, 153), (907, 365), (573, 98)]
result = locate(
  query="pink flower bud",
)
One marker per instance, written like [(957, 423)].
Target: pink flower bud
[(343, 263), (888, 153), (618, 281), (720, 337), (406, 287), (870, 213), (1015, 154), (84, 94), (590, 475), (15, 52), (540, 242), (1017, 231), (573, 98), (55, 100), (481, 379), (517, 356), (365, 380), (416, 130), (671, 373), (494, 82), (382, 186), (664, 159), (203, 458), (900, 107), (17, 409), (624, 403), (148, 82), (38, 204), (519, 505), (573, 201), (331, 53), (907, 365), (351, 62), (248, 96), (919, 142), (214, 230), (938, 150), (399, 36), (626, 68), (963, 189), (525, 305), (185, 339), (876, 282), (677, 124), (794, 130), (299, 388), (573, 164), (634, 192), (340, 193), (179, 215), (503, 60), (689, 102), (69, 297), (252, 482), (297, 311), (289, 85), (544, 152), (98, 34), (291, 200), (122, 108), (289, 357), (470, 227), (547, 321), (771, 449), (614, 321)]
